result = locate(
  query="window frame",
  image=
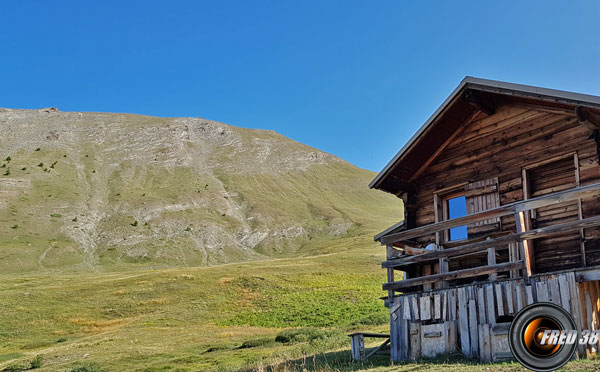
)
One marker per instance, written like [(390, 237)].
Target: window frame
[(440, 201)]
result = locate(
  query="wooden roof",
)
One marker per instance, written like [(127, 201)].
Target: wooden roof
[(475, 96)]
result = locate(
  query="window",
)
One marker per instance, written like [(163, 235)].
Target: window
[(462, 200), (457, 207)]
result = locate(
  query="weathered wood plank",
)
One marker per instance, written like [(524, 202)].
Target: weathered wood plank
[(404, 336), (437, 306), (490, 306), (542, 292), (473, 336), (406, 308), (575, 308), (499, 299), (565, 296), (465, 273), (481, 305), (452, 304), (554, 291), (481, 245), (445, 306), (425, 304), (484, 340), (519, 294), (529, 294), (505, 210), (463, 321), (508, 286), (415, 340), (415, 307)]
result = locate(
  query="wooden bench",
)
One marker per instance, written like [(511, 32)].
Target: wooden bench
[(358, 345)]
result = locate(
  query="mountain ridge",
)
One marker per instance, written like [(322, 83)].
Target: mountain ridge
[(101, 191)]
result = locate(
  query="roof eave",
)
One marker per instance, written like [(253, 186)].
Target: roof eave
[(491, 86)]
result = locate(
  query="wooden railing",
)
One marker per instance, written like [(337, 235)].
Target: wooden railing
[(521, 238)]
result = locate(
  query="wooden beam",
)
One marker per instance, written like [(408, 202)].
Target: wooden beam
[(484, 244), (579, 210), (465, 273), (552, 110), (505, 210), (584, 119), (441, 148), (478, 101)]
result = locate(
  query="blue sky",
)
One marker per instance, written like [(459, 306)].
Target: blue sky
[(353, 78)]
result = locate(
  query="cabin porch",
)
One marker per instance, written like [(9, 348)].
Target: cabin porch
[(434, 309)]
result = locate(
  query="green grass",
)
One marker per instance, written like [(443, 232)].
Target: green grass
[(198, 319), (194, 318), (273, 315)]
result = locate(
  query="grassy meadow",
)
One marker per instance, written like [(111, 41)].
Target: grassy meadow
[(274, 315), (194, 319)]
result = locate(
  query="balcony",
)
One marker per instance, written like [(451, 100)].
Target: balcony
[(402, 254)]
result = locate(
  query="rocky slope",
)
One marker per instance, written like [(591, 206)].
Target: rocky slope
[(98, 191)]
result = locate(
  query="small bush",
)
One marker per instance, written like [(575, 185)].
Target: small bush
[(16, 367), (263, 341), (24, 168), (88, 367), (7, 173), (38, 149), (14, 226), (8, 159), (53, 164), (294, 336), (135, 223), (60, 340), (75, 219), (37, 362), (40, 165), (57, 215)]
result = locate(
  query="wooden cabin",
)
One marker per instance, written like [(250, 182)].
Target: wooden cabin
[(501, 188)]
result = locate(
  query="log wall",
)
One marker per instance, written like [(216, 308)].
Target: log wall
[(500, 146)]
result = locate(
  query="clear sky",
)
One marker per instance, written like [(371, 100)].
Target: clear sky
[(353, 78)]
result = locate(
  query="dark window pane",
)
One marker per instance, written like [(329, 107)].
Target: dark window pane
[(457, 207)]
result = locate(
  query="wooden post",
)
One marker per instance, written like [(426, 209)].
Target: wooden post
[(523, 224), (491, 259), (513, 255), (579, 211), (390, 278), (526, 248), (463, 321), (443, 262)]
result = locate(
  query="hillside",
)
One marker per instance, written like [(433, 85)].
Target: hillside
[(98, 191)]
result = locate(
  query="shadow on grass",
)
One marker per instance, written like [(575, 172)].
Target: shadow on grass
[(341, 361)]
